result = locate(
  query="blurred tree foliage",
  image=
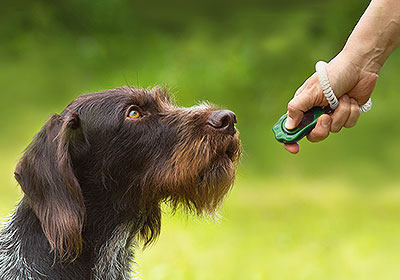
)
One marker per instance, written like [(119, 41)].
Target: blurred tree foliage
[(310, 217), (249, 56)]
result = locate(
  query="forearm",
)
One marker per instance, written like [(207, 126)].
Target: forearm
[(376, 35)]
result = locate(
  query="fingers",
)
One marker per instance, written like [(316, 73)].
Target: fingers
[(292, 148), (354, 114), (294, 115), (346, 115), (341, 114), (321, 130), (307, 96)]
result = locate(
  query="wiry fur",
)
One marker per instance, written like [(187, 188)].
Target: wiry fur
[(115, 257), (94, 179), (14, 265)]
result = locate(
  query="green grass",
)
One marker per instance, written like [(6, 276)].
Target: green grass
[(291, 230), (276, 229)]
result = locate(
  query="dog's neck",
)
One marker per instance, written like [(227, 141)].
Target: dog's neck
[(106, 254)]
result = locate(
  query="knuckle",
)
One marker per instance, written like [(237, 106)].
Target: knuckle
[(292, 105), (312, 138), (316, 93), (292, 110), (318, 135), (337, 124), (345, 105), (336, 128), (357, 111)]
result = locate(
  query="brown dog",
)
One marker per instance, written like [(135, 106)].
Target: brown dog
[(95, 175)]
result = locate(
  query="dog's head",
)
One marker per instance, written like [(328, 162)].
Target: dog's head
[(133, 148)]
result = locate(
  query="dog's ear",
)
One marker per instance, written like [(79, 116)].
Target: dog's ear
[(46, 176)]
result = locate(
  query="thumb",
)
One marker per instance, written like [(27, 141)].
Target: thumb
[(308, 96), (296, 108)]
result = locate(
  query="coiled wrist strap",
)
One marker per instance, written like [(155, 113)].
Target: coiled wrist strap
[(320, 68)]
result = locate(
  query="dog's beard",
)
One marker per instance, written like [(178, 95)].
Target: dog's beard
[(196, 176), (199, 179), (205, 193)]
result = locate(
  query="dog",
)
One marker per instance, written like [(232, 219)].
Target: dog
[(95, 175)]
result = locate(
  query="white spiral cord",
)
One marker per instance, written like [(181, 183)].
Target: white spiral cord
[(320, 68)]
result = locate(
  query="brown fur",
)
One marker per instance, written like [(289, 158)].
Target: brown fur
[(92, 168)]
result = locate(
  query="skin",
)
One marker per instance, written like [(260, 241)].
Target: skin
[(353, 73)]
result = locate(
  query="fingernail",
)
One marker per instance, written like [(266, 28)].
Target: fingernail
[(353, 101), (345, 98), (326, 121), (290, 124)]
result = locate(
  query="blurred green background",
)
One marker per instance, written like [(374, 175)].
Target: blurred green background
[(330, 212)]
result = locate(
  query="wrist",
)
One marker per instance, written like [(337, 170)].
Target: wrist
[(365, 59)]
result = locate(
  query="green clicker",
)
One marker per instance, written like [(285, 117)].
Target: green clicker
[(309, 121), (284, 135)]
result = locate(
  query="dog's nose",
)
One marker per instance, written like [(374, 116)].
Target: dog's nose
[(223, 121)]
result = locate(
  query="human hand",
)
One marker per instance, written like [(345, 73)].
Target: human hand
[(351, 83)]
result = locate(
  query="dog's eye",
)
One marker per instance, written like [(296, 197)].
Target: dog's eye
[(134, 114)]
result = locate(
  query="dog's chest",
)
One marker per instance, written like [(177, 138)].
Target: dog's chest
[(112, 260), (13, 264), (114, 257)]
